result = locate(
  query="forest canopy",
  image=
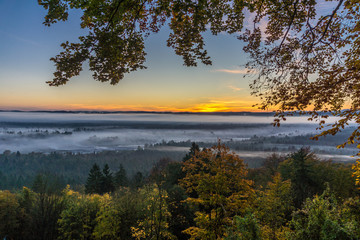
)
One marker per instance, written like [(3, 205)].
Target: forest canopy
[(210, 194), (305, 53)]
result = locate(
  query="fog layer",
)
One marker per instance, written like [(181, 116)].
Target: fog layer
[(48, 132)]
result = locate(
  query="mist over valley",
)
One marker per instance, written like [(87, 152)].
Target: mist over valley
[(245, 133)]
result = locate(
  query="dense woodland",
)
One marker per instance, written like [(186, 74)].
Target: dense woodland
[(209, 194), (18, 170)]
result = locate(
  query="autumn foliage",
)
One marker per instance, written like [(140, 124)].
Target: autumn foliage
[(210, 195), (216, 184)]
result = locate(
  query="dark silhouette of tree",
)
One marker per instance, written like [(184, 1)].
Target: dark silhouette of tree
[(107, 183), (40, 184), (46, 183), (9, 211), (94, 181), (182, 216), (264, 174), (166, 174), (45, 215), (116, 220), (138, 180), (299, 169), (121, 179), (158, 172), (193, 150)]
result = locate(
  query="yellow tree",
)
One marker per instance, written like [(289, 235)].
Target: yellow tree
[(356, 168), (155, 224), (114, 220), (216, 184), (9, 215), (78, 219), (274, 208)]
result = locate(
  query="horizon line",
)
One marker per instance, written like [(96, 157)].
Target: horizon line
[(141, 111)]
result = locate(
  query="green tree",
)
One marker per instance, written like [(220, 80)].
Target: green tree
[(94, 180), (38, 215), (215, 181), (40, 184), (182, 215), (299, 169), (193, 150), (107, 182), (320, 219), (244, 228), (78, 219), (351, 215), (166, 174), (45, 214), (309, 175), (339, 176), (138, 180), (114, 220), (46, 183), (3, 181), (9, 215), (264, 174), (158, 172), (27, 199), (121, 179), (274, 207)]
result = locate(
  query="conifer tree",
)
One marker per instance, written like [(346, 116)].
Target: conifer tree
[(93, 183), (299, 169), (193, 149), (121, 177), (40, 184), (107, 183), (138, 180)]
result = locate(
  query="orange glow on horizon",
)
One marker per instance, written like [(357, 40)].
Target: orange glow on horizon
[(208, 106), (212, 106)]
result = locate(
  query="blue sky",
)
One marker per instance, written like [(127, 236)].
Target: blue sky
[(26, 46)]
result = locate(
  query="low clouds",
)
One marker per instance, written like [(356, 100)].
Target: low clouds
[(116, 107), (233, 71), (235, 88)]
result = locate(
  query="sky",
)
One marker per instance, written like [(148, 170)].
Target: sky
[(26, 45)]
